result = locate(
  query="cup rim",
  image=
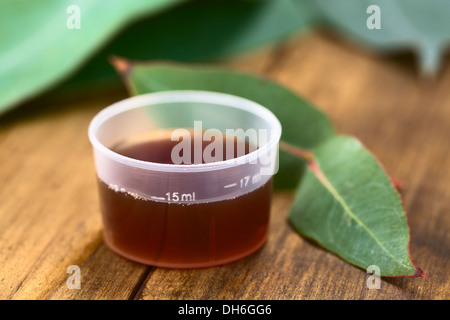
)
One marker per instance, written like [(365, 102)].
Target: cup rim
[(227, 100)]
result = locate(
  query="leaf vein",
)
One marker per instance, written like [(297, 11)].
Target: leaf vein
[(327, 184)]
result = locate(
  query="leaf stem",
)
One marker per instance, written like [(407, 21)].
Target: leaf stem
[(304, 154)]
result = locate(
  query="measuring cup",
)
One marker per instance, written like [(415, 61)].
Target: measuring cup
[(185, 215)]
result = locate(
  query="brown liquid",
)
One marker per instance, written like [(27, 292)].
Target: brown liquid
[(182, 235)]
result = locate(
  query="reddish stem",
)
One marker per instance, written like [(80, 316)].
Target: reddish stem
[(304, 154), (398, 184)]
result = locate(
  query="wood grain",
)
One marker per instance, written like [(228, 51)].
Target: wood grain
[(49, 211)]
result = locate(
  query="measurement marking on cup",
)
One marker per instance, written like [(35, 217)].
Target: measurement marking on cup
[(176, 196), (245, 181), (157, 198)]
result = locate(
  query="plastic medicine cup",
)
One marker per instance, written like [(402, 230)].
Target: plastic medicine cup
[(186, 215)]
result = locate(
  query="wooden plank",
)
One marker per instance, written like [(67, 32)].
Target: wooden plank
[(104, 275), (405, 121), (49, 214)]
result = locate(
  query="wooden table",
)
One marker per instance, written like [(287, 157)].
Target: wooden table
[(49, 210)]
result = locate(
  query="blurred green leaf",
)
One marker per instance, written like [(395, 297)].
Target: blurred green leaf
[(201, 31), (37, 49), (423, 26), (303, 125), (347, 203)]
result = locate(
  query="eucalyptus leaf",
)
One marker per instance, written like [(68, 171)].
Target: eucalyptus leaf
[(303, 125), (200, 31), (38, 49), (348, 204), (423, 26)]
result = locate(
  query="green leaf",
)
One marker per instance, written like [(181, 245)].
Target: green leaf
[(348, 204), (303, 125), (37, 49), (186, 33), (419, 25)]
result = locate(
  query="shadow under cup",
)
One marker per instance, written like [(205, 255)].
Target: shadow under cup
[(185, 215)]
